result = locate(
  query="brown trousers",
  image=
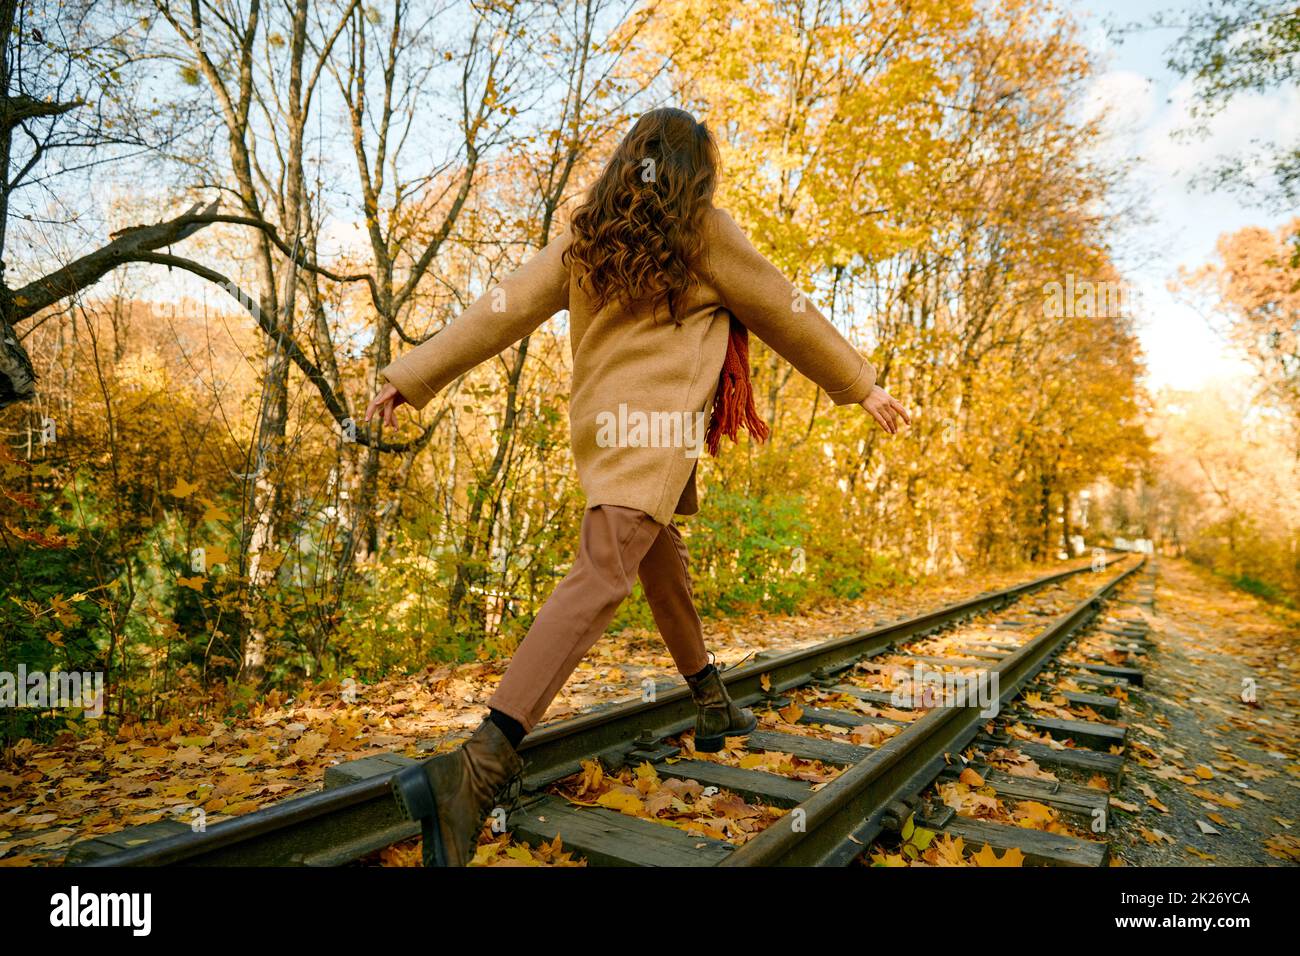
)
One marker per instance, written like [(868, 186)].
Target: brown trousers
[(616, 545)]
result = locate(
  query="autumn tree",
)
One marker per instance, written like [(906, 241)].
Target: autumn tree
[(1230, 48), (1255, 287)]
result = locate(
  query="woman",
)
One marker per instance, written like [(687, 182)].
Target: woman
[(661, 288)]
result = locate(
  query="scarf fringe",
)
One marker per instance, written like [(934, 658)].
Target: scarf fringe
[(733, 405)]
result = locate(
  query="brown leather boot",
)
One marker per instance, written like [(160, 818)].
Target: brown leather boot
[(718, 718), (451, 794)]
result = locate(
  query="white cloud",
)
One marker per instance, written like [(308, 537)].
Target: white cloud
[(1127, 98), (1250, 118)]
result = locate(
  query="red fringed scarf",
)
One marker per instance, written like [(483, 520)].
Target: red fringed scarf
[(733, 405)]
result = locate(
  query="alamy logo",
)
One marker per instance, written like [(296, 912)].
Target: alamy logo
[(43, 691), (638, 429), (103, 909)]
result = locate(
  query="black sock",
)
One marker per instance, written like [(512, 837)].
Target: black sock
[(511, 728), (704, 673)]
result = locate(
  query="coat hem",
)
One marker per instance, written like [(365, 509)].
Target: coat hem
[(621, 502)]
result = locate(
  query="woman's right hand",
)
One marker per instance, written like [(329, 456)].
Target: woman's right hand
[(885, 409), (385, 404)]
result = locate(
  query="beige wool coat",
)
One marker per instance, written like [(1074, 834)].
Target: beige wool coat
[(643, 386)]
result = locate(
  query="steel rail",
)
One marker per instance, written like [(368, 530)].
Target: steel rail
[(834, 825), (343, 823)]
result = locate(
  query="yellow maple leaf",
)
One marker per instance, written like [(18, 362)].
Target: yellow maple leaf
[(1033, 814), (182, 489), (987, 858), (947, 851), (623, 802), (888, 859), (214, 512), (592, 776), (521, 854)]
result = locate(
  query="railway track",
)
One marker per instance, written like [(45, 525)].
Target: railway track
[(902, 767)]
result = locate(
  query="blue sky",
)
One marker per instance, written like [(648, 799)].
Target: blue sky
[(1148, 104)]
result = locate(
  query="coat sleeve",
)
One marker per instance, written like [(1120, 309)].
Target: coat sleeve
[(502, 316), (767, 303)]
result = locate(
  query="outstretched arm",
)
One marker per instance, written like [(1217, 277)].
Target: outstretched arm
[(502, 316), (769, 305)]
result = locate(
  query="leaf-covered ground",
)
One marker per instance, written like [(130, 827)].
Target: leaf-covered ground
[(1202, 760), (1212, 779), (81, 785)]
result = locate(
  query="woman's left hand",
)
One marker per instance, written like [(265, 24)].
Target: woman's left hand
[(385, 404), (885, 409)]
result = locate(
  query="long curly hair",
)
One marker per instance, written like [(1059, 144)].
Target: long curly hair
[(638, 231)]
